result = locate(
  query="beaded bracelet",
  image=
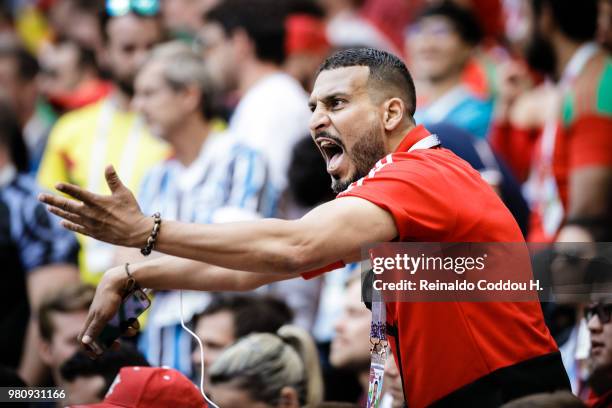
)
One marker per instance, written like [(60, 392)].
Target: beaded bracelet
[(153, 237)]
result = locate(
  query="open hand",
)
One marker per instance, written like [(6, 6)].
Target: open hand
[(115, 219)]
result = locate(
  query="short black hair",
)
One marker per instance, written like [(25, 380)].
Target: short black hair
[(27, 65), (308, 179), (104, 19), (262, 20), (252, 313), (576, 19), (107, 365), (465, 22), (384, 67), (11, 137)]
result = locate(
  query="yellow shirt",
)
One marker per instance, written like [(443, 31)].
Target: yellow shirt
[(81, 145)]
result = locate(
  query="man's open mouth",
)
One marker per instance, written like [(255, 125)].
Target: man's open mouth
[(332, 152), (596, 346)]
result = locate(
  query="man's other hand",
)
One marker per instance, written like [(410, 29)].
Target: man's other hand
[(106, 302)]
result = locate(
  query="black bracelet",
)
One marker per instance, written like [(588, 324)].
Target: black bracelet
[(153, 237)]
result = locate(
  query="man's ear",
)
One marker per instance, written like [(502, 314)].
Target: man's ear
[(288, 398), (44, 349), (546, 20), (393, 113), (192, 97), (242, 44)]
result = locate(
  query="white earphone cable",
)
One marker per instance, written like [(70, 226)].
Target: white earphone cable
[(210, 403)]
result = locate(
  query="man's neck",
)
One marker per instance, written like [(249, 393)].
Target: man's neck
[(565, 50), (336, 7), (364, 380), (121, 99), (437, 88), (253, 72), (187, 140), (394, 140)]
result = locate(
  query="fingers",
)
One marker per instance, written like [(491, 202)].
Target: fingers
[(85, 326), (79, 193), (75, 227), (112, 179), (92, 330), (61, 203), (66, 215), (133, 329)]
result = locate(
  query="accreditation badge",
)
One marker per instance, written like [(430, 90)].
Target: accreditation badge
[(377, 374)]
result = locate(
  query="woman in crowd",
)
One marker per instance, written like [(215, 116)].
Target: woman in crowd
[(265, 370)]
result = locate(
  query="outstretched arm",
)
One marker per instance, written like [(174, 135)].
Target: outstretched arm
[(331, 232), (276, 249)]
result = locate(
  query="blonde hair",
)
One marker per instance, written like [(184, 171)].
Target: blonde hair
[(263, 364), (183, 67)]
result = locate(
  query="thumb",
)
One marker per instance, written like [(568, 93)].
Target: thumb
[(112, 179)]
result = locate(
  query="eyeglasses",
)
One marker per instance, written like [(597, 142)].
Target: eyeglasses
[(603, 312), (435, 29), (117, 8)]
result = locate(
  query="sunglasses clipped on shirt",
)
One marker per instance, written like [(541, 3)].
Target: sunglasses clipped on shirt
[(117, 8), (603, 312)]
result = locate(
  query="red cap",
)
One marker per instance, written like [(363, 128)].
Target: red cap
[(305, 34), (150, 387)]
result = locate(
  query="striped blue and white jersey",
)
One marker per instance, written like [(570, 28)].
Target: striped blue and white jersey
[(227, 182)]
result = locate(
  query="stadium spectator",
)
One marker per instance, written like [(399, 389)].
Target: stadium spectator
[(440, 43), (306, 44), (210, 178), (481, 157), (245, 53), (228, 318), (394, 396), (87, 381), (18, 72), (350, 348), (268, 370), (600, 360), (85, 140), (59, 317), (78, 21), (69, 76), (571, 177), (604, 24), (183, 18), (150, 387), (36, 255), (362, 104), (347, 27)]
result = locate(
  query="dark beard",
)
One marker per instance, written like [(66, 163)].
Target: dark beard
[(601, 379), (541, 56), (126, 86), (367, 151)]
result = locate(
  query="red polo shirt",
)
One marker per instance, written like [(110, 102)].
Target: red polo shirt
[(434, 196)]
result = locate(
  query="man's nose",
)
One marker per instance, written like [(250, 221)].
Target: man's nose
[(319, 120), (594, 324)]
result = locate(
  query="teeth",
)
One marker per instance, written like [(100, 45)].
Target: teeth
[(326, 143)]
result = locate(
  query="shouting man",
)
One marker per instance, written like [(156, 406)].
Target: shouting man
[(395, 183)]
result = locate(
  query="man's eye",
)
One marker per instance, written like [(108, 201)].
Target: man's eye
[(337, 103)]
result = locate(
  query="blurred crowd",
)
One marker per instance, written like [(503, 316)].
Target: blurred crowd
[(202, 107)]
